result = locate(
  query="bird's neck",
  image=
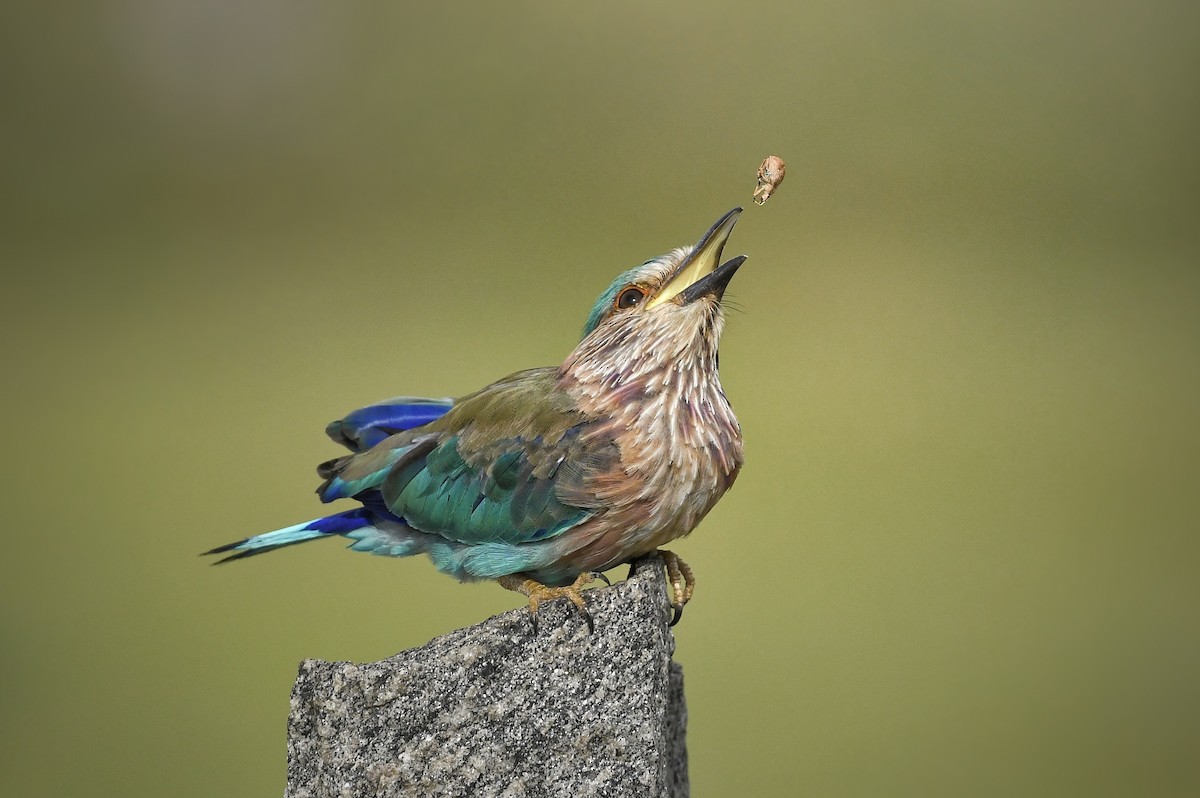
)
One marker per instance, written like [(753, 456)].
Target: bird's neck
[(663, 395), (633, 351)]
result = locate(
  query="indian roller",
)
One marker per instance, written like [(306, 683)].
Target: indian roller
[(550, 476)]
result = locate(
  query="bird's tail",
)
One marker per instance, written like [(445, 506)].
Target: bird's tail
[(338, 524)]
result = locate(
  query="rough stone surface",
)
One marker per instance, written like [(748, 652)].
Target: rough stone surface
[(494, 709)]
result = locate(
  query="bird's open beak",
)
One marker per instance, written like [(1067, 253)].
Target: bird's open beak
[(699, 275)]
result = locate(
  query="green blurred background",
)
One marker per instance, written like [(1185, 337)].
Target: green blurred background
[(961, 558)]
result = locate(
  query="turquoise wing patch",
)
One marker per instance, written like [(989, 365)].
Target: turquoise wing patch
[(508, 497)]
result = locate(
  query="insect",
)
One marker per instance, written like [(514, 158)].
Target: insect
[(770, 175)]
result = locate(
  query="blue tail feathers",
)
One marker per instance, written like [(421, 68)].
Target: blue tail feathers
[(338, 524), (372, 527)]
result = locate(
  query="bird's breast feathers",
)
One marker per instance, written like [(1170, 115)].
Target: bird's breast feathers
[(680, 449)]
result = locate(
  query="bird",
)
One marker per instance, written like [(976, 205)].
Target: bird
[(544, 479)]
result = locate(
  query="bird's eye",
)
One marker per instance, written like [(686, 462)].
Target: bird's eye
[(630, 297)]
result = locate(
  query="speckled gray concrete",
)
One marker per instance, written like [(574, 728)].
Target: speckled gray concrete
[(493, 710)]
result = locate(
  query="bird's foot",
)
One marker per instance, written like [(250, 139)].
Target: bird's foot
[(536, 592), (681, 580)]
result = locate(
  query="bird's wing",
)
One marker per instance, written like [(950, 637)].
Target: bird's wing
[(367, 426), (495, 468)]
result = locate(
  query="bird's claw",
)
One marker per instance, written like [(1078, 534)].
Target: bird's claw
[(682, 582), (536, 592)]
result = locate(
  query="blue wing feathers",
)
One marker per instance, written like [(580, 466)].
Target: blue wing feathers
[(499, 500), (424, 491), (352, 475), (367, 426)]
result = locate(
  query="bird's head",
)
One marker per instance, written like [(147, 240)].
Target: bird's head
[(666, 311)]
